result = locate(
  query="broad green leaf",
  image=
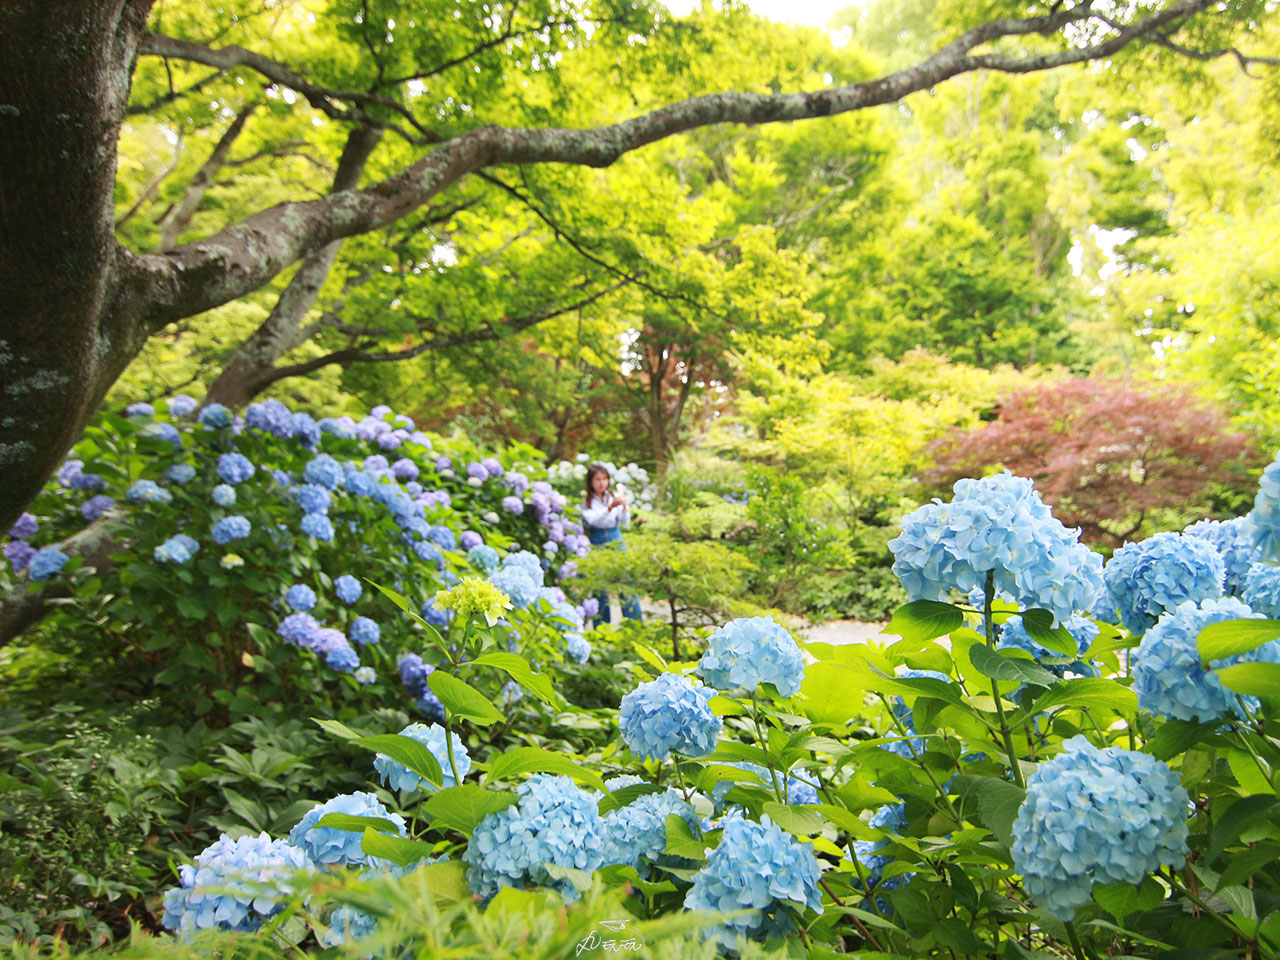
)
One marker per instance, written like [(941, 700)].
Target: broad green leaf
[(1040, 628), (620, 798), (1177, 736), (1001, 665), (400, 601), (1095, 693), (715, 773), (1242, 814), (734, 751), (1245, 863), (832, 692), (651, 657), (447, 880), (463, 807), (1233, 637), (1245, 769), (406, 750), (1252, 679), (538, 760), (579, 879), (344, 821), (463, 700), (726, 707), (681, 842), (399, 850), (918, 687), (801, 819), (998, 803), (1123, 899), (519, 669), (924, 620)]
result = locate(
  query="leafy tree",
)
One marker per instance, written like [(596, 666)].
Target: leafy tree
[(373, 69), (1105, 454)]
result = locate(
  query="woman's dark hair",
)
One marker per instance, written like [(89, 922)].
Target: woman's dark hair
[(591, 474)]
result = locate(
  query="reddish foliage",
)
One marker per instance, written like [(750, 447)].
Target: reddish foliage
[(1102, 452)]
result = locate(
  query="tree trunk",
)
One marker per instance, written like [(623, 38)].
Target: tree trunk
[(252, 368), (66, 327)]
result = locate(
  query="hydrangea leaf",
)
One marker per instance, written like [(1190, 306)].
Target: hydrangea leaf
[(624, 795), (831, 692), (998, 804), (345, 821), (924, 620), (681, 841), (1123, 899), (919, 686), (1231, 638), (337, 729), (463, 700), (999, 665), (1096, 693), (801, 820), (519, 669), (1252, 679), (1245, 863), (954, 934), (538, 760), (447, 880), (461, 808), (405, 750), (581, 879), (1177, 736), (732, 750), (400, 601), (1039, 626), (1245, 769)]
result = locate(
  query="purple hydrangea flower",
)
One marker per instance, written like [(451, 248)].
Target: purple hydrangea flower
[(96, 506), (270, 416), (24, 527), (19, 553)]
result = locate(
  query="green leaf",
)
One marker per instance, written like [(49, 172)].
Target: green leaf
[(1040, 628), (580, 879), (463, 700), (403, 604), (406, 750), (1095, 693), (538, 760), (651, 657), (1233, 637), (998, 804), (1252, 679), (832, 692), (463, 807), (519, 669), (620, 798), (681, 842), (1178, 736), (917, 687), (344, 821), (399, 850), (1247, 773), (803, 820), (1242, 814), (447, 880), (1245, 863), (1000, 665), (924, 620), (336, 729), (1122, 899)]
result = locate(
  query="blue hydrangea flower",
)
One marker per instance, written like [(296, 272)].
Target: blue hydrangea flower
[(669, 714), (577, 647), (1261, 589), (92, 481), (365, 676), (1148, 578), (180, 474), (215, 416), (330, 847), (347, 588), (396, 776), (793, 790), (484, 557), (890, 818), (300, 597), (19, 553), (312, 498), (233, 885), (492, 465), (68, 472), (305, 429), (1264, 518), (1105, 816), (325, 640), (428, 552), (443, 537), (996, 524), (1168, 674), (231, 528), (270, 416), (469, 540), (348, 924), (177, 549), (162, 431), (323, 471), (224, 495), (756, 865), (140, 409), (434, 615), (235, 468), (413, 674), (364, 631), (181, 405), (529, 562), (1013, 634), (46, 562), (404, 470), (317, 525), (24, 527), (358, 484), (515, 583), (513, 504), (555, 821), (340, 657), (1234, 541), (623, 780), (749, 651), (637, 833), (148, 491), (299, 629), (96, 506)]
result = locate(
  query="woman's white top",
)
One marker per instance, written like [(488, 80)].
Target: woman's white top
[(598, 514)]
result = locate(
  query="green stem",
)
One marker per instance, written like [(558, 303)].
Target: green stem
[(448, 742), (989, 627), (901, 728), (1075, 941)]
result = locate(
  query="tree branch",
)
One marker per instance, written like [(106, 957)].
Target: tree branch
[(244, 256), (173, 94)]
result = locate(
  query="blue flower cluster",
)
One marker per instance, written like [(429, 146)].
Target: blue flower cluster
[(413, 675), (1097, 816), (233, 885), (1148, 578), (300, 597), (397, 776), (1264, 518), (347, 589), (996, 524), (215, 416), (913, 747), (331, 847), (148, 491), (749, 651), (235, 468), (1261, 589), (224, 495), (1234, 541), (1013, 635), (669, 714), (45, 563), (1168, 674), (364, 631), (637, 833), (756, 865), (177, 549), (554, 822), (793, 789), (231, 528)]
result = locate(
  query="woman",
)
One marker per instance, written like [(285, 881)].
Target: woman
[(604, 515)]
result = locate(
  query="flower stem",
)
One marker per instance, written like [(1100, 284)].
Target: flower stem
[(989, 628), (1076, 948), (448, 742)]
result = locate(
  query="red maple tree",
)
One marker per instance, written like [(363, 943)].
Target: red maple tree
[(1102, 453)]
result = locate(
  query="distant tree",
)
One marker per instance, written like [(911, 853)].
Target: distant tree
[(1103, 453)]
